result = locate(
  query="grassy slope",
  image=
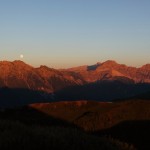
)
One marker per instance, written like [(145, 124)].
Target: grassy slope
[(16, 135), (19, 136), (52, 125), (94, 116)]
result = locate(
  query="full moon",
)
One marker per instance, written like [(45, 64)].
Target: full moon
[(21, 56)]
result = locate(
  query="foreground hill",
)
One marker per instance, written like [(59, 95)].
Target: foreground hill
[(25, 137), (126, 121), (94, 116)]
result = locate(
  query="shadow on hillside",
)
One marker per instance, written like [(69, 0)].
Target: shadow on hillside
[(132, 132), (102, 91), (28, 129), (31, 116), (13, 97), (92, 67), (145, 96), (93, 91)]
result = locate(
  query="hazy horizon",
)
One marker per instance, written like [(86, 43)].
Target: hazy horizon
[(73, 66), (64, 33)]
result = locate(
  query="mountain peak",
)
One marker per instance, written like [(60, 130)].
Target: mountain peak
[(110, 62), (44, 67), (4, 62), (147, 67), (19, 62), (15, 62)]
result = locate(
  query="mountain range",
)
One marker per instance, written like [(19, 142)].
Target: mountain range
[(103, 81)]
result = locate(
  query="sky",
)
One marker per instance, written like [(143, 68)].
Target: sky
[(67, 33)]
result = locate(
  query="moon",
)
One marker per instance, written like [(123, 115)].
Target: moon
[(21, 56)]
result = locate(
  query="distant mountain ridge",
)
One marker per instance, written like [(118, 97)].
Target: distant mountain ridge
[(109, 69), (18, 74), (102, 81)]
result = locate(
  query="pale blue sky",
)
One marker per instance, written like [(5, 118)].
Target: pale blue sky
[(65, 33)]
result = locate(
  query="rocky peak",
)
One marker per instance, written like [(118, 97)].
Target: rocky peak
[(17, 64), (110, 63), (147, 67)]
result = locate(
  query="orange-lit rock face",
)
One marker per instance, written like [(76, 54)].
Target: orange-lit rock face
[(17, 74), (111, 69)]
